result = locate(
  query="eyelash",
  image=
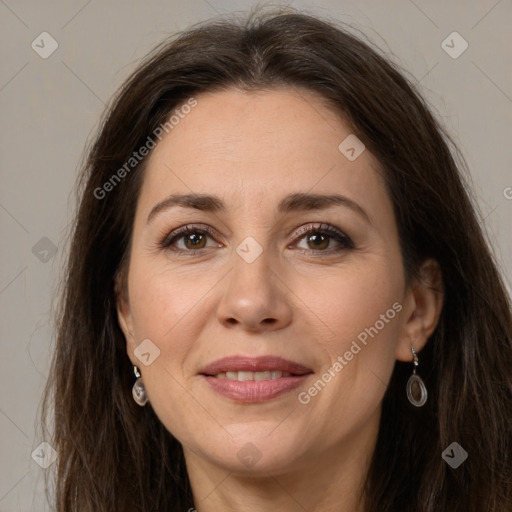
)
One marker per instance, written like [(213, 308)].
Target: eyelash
[(319, 229)]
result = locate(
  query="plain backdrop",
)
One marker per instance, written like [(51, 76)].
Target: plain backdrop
[(51, 107)]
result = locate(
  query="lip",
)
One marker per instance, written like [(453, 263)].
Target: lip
[(254, 391), (254, 364)]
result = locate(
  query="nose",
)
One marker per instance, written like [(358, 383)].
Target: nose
[(254, 298)]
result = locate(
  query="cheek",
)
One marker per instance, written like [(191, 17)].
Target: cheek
[(167, 308), (352, 300), (357, 313), (164, 301)]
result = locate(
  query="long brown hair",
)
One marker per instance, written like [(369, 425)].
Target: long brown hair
[(114, 455)]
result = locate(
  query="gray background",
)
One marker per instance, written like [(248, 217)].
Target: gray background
[(51, 106)]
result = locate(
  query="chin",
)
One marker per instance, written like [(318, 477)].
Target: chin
[(254, 452)]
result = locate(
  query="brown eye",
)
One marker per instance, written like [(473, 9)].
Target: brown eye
[(324, 239), (318, 241), (189, 239), (194, 241)]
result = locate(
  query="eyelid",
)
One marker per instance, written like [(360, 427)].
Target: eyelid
[(167, 239), (323, 228)]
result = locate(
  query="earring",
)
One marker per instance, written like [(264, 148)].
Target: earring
[(138, 389), (416, 390)]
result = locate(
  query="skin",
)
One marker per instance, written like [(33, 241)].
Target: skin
[(251, 150)]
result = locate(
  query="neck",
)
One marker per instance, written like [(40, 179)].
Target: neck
[(331, 481)]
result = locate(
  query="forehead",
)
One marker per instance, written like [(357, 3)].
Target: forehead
[(255, 146)]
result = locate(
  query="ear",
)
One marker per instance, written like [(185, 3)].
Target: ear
[(422, 308), (124, 315)]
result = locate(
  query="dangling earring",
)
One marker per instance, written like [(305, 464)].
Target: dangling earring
[(138, 390), (416, 390)]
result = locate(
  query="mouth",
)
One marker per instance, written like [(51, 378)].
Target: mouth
[(252, 380), (242, 376)]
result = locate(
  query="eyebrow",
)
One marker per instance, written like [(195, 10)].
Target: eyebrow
[(291, 203)]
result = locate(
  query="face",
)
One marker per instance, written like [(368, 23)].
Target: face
[(290, 264)]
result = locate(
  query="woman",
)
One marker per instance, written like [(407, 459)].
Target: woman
[(278, 294)]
